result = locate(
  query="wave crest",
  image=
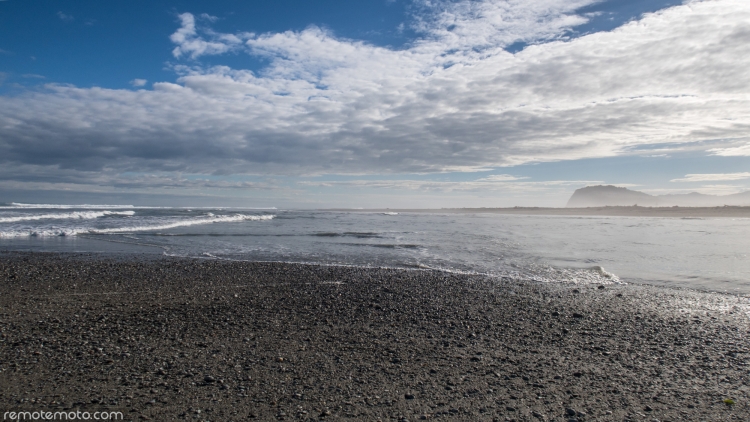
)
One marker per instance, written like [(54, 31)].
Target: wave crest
[(185, 223), (52, 232), (19, 205), (79, 215)]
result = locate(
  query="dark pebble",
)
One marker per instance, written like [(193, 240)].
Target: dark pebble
[(465, 344)]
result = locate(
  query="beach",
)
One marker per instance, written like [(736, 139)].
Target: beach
[(161, 338)]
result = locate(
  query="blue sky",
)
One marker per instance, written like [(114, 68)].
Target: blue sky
[(108, 44), (372, 103)]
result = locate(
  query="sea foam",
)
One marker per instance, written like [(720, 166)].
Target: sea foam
[(161, 225), (78, 215), (184, 223), (18, 205)]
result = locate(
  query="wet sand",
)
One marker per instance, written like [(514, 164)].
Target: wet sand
[(180, 339), (634, 211)]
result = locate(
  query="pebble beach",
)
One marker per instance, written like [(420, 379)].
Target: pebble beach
[(160, 338)]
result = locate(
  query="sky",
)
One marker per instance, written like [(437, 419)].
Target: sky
[(373, 103)]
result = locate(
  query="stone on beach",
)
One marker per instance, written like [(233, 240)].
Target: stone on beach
[(163, 337)]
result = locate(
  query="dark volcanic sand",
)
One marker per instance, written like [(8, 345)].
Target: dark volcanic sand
[(179, 339)]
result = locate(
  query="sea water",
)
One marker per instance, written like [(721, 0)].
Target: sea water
[(702, 253)]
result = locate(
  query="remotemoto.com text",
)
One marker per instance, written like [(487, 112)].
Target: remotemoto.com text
[(63, 416)]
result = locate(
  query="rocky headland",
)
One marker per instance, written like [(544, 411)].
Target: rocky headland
[(613, 196)]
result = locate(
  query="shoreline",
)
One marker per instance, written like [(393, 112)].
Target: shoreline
[(608, 211), (164, 338), (160, 255)]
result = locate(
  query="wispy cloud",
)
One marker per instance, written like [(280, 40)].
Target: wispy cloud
[(452, 99), (712, 177), (65, 17), (189, 43), (209, 18), (501, 178), (138, 82), (477, 28), (738, 151)]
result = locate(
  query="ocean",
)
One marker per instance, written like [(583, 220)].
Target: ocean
[(697, 253)]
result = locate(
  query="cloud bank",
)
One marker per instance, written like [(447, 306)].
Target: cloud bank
[(453, 100), (712, 177)]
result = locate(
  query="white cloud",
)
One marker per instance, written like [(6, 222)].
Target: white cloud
[(65, 17), (739, 151), (476, 28), (189, 43), (712, 177), (501, 178), (454, 99), (138, 82), (209, 18)]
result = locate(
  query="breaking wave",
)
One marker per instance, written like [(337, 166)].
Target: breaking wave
[(79, 215), (184, 223), (18, 205), (72, 231)]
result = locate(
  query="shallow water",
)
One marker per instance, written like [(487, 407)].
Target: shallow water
[(707, 254)]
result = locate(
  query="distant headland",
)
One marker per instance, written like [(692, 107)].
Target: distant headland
[(613, 196), (616, 201)]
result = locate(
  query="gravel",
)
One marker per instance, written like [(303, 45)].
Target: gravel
[(191, 339)]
